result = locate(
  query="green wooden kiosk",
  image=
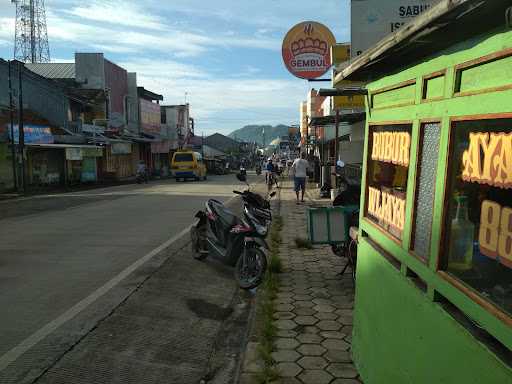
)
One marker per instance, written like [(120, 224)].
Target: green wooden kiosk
[(434, 269)]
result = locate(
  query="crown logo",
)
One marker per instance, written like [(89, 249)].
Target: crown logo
[(309, 45)]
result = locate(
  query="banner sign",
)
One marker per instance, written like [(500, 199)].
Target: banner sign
[(74, 154), (371, 20), (92, 152), (307, 50), (34, 134), (150, 118)]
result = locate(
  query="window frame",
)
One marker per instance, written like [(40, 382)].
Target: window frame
[(364, 216), (458, 284), (419, 150)]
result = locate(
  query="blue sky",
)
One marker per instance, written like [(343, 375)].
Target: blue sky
[(226, 54)]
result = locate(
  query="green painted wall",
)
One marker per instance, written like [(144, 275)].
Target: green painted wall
[(401, 335)]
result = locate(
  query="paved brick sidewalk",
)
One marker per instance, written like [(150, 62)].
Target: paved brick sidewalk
[(314, 308)]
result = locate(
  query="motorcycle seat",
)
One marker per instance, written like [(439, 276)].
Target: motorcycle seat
[(226, 215)]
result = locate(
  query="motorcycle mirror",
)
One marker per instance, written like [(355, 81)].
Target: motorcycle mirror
[(273, 194)]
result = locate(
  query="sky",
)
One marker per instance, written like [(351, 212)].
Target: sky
[(222, 56)]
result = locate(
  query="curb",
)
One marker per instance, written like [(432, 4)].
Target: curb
[(241, 376)]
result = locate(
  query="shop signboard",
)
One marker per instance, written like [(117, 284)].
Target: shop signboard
[(387, 177), (374, 19), (121, 148), (92, 152), (74, 154), (33, 134), (306, 50), (150, 117)]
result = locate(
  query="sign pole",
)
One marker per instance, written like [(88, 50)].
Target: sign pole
[(21, 130)]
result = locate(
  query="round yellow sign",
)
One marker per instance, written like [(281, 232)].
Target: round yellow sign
[(307, 49)]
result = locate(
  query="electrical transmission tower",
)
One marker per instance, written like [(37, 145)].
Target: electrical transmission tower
[(31, 37)]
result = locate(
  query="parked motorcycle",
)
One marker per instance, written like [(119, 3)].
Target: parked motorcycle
[(236, 241), (141, 177)]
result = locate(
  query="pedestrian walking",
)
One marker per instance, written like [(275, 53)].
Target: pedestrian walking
[(300, 170)]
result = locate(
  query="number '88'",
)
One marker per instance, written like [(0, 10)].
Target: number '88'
[(495, 235)]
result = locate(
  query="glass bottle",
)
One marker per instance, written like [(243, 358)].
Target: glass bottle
[(461, 238)]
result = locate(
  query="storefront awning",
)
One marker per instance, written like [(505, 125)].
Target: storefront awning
[(60, 145), (349, 117), (343, 91)]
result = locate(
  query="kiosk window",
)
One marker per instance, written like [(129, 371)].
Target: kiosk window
[(426, 179), (388, 163), (478, 228)]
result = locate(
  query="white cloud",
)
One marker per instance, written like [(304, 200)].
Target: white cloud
[(118, 12), (171, 41), (223, 103), (7, 28)]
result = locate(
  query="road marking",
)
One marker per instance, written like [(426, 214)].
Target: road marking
[(13, 354)]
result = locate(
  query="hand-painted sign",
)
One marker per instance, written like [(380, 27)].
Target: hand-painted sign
[(388, 208), (33, 134), (307, 50), (495, 234), (488, 160), (391, 147)]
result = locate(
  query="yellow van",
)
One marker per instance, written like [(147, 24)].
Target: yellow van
[(188, 165)]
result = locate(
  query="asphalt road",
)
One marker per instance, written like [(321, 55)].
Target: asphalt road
[(68, 260)]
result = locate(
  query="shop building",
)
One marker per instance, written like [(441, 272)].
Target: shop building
[(178, 120), (50, 118), (154, 144), (434, 270)]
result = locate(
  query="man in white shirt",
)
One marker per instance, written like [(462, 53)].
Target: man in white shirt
[(299, 171)]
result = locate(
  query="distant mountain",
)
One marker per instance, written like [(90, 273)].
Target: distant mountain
[(254, 133)]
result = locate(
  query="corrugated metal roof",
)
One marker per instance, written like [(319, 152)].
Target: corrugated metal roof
[(53, 70)]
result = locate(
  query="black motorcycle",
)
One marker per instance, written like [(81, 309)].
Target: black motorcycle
[(235, 241), (141, 177)]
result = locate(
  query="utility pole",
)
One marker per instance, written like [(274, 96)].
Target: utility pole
[(11, 112), (21, 130), (337, 123), (202, 145)]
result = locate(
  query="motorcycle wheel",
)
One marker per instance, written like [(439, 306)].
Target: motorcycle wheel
[(251, 274)]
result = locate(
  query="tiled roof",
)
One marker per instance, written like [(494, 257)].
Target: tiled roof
[(53, 70)]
